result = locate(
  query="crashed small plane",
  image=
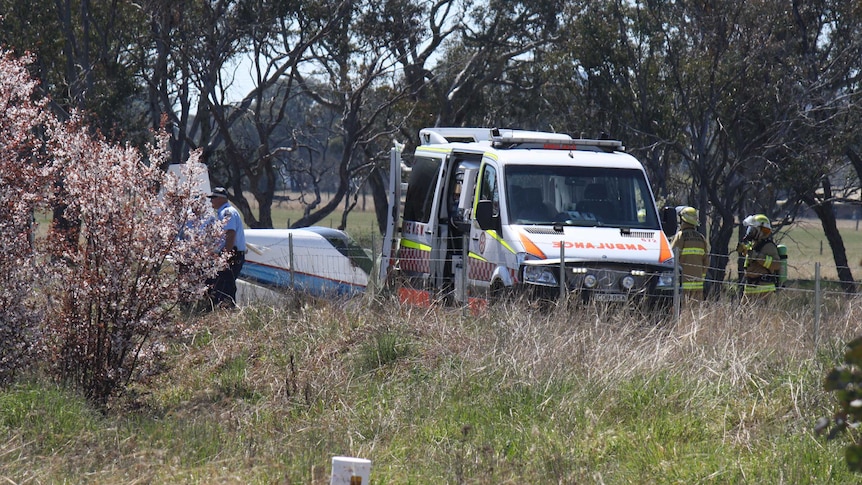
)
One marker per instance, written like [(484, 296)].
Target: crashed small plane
[(319, 261)]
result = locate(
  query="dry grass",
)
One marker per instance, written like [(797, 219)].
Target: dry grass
[(515, 395)]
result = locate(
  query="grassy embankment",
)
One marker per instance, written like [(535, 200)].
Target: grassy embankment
[(516, 395)]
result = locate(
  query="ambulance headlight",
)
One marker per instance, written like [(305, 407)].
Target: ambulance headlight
[(665, 280), (627, 282), (590, 281), (540, 275)]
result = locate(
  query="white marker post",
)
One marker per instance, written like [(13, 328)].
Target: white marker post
[(350, 471)]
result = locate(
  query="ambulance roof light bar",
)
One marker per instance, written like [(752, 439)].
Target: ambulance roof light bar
[(552, 144), (507, 138)]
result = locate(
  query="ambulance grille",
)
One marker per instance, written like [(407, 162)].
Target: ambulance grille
[(640, 234), (540, 230)]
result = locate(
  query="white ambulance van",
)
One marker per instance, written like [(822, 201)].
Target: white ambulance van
[(487, 211)]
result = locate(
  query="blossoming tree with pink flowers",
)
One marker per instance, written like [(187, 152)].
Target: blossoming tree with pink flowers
[(93, 303), (25, 176)]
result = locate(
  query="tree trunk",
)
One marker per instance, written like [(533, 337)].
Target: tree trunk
[(826, 214), (719, 238)]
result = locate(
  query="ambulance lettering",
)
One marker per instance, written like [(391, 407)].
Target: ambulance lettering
[(590, 245)]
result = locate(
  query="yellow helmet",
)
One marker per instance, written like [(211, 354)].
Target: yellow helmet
[(757, 225), (689, 215)]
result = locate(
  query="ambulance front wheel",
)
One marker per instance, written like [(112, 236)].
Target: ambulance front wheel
[(498, 292)]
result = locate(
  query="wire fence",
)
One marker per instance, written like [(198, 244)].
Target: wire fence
[(460, 273), (727, 285), (794, 283), (809, 299)]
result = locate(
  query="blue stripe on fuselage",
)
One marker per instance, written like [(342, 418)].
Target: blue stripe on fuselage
[(315, 285)]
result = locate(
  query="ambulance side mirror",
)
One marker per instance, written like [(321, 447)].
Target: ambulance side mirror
[(669, 220), (485, 216)]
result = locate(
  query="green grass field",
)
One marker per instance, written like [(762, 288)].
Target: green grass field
[(807, 245), (361, 224)]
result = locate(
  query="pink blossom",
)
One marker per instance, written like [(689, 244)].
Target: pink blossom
[(92, 292)]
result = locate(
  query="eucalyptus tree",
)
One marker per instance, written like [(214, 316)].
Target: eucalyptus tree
[(694, 88), (819, 91), (716, 65), (371, 70), (175, 28), (191, 62), (458, 63), (485, 68), (609, 78), (343, 70), (756, 89), (325, 79), (371, 66), (257, 136), (415, 33), (81, 58)]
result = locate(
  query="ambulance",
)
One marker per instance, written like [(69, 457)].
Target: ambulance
[(487, 212)]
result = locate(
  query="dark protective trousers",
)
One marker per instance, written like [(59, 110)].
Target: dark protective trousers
[(223, 287)]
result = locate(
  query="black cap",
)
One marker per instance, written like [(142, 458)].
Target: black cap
[(218, 192)]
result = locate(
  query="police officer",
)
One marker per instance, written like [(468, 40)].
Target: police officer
[(762, 261), (223, 287), (693, 252)]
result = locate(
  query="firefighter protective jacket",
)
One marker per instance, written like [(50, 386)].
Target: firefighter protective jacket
[(762, 263), (693, 256)]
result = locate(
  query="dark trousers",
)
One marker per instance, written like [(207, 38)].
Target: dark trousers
[(223, 287)]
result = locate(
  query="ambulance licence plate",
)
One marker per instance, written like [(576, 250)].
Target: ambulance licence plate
[(609, 297)]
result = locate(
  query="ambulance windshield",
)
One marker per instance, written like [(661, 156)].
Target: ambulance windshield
[(581, 196)]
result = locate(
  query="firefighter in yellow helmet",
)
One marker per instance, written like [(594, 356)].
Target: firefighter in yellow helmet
[(693, 252), (762, 261)]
